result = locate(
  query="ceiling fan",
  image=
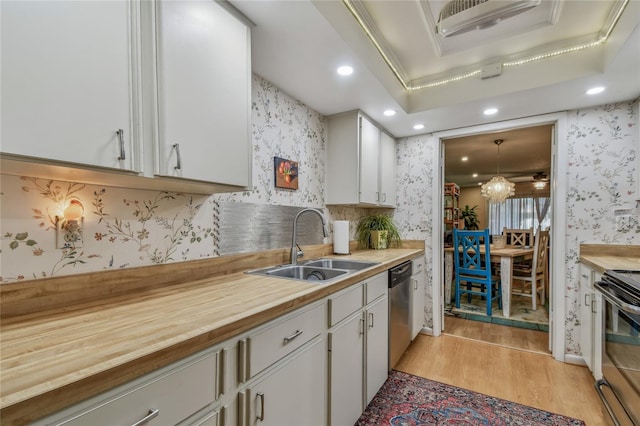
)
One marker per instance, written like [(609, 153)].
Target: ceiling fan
[(540, 180), (460, 16)]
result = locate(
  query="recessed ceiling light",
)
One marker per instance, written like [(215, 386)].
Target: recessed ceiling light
[(418, 126), (490, 111), (465, 158), (390, 112), (345, 70), (479, 183), (475, 175), (595, 90)]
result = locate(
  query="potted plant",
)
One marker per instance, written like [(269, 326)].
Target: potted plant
[(470, 217), (377, 232)]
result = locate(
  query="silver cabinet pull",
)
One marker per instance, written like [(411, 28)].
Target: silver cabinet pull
[(377, 196), (594, 309), (415, 284), (586, 299), (120, 134), (153, 413), (178, 166), (261, 396), (362, 325), (370, 319), (293, 336), (384, 197)]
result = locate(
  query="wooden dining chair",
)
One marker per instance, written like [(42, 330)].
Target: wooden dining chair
[(473, 267), (518, 237), (533, 279)]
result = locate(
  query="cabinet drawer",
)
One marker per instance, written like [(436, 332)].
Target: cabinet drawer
[(344, 304), (176, 395), (377, 286), (268, 346)]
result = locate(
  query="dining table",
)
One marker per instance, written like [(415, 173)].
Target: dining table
[(505, 256)]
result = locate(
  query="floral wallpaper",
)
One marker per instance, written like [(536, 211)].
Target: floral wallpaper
[(602, 173), (126, 227), (602, 176)]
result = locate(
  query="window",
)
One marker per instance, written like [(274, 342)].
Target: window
[(519, 213)]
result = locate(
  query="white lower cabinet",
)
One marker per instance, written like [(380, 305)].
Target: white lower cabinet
[(358, 350), (418, 291), (166, 397), (346, 369), (377, 347), (590, 321), (291, 394)]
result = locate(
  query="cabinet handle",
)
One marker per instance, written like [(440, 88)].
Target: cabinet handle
[(293, 336), (415, 285), (178, 161), (222, 355), (384, 197), (377, 196), (261, 396), (371, 319), (362, 326), (120, 134), (587, 302), (594, 310), (153, 413)]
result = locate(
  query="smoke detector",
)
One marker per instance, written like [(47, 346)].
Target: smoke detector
[(460, 16)]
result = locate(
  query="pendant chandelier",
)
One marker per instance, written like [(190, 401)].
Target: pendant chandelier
[(498, 188)]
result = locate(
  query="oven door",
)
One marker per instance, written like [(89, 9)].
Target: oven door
[(620, 358)]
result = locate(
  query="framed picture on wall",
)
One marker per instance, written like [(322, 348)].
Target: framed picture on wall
[(286, 173)]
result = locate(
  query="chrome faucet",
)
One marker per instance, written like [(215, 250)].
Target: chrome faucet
[(296, 251)]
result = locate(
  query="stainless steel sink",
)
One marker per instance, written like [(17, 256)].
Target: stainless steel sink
[(320, 270), (301, 272), (351, 265)]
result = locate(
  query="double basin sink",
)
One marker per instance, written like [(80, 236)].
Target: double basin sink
[(321, 271)]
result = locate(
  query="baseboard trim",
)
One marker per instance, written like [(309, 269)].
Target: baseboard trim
[(574, 359)]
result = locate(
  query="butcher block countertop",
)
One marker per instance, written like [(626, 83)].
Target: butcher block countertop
[(59, 354), (601, 257)]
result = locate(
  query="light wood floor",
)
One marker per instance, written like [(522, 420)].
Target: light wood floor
[(521, 376), (512, 337)]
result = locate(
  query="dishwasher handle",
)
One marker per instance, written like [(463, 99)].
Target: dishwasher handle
[(400, 273)]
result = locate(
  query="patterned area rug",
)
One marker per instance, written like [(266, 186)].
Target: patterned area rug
[(407, 400)]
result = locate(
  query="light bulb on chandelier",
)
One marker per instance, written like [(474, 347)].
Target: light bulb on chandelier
[(498, 188)]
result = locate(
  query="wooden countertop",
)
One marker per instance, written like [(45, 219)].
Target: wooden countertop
[(55, 358), (601, 257)]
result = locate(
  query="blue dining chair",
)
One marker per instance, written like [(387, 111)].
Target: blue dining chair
[(473, 267)]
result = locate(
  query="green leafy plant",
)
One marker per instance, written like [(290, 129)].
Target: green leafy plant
[(470, 217), (377, 223)]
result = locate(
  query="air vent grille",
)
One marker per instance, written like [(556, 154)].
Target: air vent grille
[(456, 6)]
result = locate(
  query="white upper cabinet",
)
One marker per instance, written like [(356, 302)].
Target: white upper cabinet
[(137, 94), (204, 92), (67, 82), (361, 162)]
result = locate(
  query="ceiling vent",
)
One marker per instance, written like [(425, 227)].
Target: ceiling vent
[(460, 16)]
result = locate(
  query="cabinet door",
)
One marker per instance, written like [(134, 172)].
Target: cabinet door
[(418, 282), (293, 394), (377, 364), (369, 143), (346, 365), (66, 87), (203, 60), (387, 170), (586, 319)]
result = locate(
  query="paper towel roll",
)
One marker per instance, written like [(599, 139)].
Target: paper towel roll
[(341, 237)]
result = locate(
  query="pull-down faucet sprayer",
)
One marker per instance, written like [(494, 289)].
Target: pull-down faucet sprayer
[(296, 252)]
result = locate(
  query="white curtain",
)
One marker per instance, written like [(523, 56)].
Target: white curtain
[(519, 213)]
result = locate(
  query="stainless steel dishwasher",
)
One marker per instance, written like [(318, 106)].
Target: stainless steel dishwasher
[(399, 311)]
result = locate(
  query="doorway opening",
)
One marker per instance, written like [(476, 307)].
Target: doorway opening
[(524, 158)]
